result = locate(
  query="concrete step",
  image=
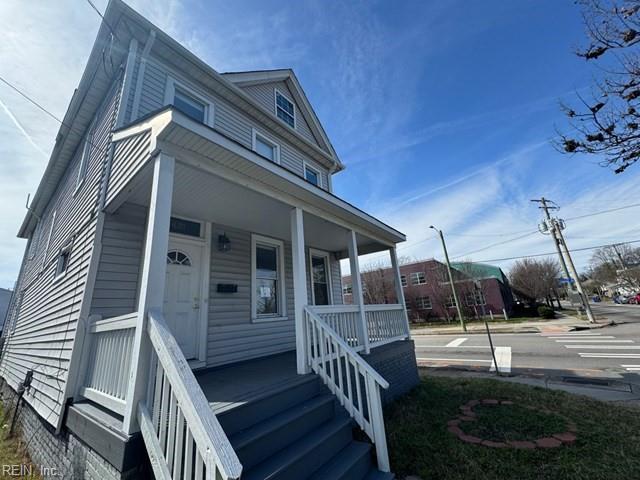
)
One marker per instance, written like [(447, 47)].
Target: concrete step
[(260, 441), (352, 463), (265, 406), (305, 456)]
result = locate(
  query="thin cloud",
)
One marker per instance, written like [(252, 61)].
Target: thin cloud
[(21, 129)]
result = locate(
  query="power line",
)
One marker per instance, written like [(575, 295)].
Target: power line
[(496, 244), (553, 253), (103, 19), (604, 211), (30, 100)]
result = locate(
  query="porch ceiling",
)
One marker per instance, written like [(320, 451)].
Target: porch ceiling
[(205, 196)]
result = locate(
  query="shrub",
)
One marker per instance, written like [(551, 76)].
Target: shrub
[(546, 312)]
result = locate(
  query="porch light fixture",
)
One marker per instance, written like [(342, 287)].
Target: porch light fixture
[(224, 244)]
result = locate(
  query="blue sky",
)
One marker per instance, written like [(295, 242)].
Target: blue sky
[(441, 111)]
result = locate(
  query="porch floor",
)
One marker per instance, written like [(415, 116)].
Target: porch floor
[(233, 385)]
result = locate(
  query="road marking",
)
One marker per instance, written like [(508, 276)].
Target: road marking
[(606, 347), (609, 355), (630, 366), (633, 369), (503, 359), (456, 343), (447, 346), (594, 341), (452, 359), (569, 334), (588, 338)]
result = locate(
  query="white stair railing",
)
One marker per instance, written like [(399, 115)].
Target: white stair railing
[(183, 436), (352, 380)]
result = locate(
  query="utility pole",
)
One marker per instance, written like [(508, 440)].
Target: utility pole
[(555, 228), (453, 286)]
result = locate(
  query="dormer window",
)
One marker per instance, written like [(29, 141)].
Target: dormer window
[(266, 147), (285, 110)]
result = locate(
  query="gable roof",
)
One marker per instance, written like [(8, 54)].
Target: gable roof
[(287, 75), (122, 24)]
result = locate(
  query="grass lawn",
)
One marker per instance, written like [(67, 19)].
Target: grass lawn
[(12, 453), (607, 444)]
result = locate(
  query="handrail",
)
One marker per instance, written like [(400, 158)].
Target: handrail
[(341, 368), (382, 307), (182, 416)]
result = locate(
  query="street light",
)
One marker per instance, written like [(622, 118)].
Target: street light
[(453, 287)]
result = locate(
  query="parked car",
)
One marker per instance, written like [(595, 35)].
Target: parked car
[(634, 299)]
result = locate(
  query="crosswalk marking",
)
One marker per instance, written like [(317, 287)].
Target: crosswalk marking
[(456, 343), (606, 347), (594, 340), (609, 355)]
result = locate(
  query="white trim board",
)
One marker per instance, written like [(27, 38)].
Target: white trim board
[(282, 298), (320, 253)]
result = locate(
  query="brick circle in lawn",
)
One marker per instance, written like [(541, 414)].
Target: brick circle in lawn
[(468, 415)]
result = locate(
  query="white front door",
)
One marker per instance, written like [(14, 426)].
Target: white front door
[(182, 302)]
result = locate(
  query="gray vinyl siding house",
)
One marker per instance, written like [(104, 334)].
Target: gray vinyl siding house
[(181, 283)]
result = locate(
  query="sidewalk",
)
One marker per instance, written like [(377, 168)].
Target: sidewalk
[(615, 391), (564, 324)]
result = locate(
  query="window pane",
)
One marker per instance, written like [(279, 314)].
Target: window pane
[(320, 280), (266, 259), (285, 110), (311, 176), (267, 296), (265, 149), (184, 227), (189, 106)]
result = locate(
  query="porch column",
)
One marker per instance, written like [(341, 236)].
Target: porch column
[(154, 268), (356, 288), (398, 285), (300, 298)]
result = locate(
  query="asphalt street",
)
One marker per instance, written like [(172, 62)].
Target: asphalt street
[(612, 352)]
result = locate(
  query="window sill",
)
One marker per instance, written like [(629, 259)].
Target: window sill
[(269, 319)]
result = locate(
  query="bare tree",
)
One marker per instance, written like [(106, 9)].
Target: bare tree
[(616, 264), (607, 123), (377, 280), (472, 293), (535, 278)]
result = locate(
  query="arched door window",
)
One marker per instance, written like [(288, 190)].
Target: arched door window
[(176, 257)]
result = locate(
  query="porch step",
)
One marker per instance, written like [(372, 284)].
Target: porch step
[(301, 458), (353, 462), (260, 441), (268, 404)]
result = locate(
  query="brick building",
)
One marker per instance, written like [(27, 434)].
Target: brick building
[(481, 289)]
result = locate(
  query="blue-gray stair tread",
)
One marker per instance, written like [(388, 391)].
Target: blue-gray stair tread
[(306, 455), (375, 474), (352, 463), (258, 442)]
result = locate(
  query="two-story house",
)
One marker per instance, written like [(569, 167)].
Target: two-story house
[(180, 295)]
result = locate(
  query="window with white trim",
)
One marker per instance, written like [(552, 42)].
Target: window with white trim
[(312, 175), (403, 280), (267, 262), (46, 247), (192, 104), (476, 298), (266, 147), (418, 278), (285, 110), (62, 262), (347, 289), (424, 303), (320, 277), (451, 302), (84, 160)]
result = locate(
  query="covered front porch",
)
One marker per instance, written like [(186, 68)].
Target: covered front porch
[(239, 261)]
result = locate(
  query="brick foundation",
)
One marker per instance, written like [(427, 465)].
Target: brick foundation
[(396, 362), (61, 455)]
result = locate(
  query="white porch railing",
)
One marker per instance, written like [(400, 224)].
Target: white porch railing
[(183, 436), (344, 319), (352, 380), (385, 323), (110, 360)]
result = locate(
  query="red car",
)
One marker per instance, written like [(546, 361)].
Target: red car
[(635, 299)]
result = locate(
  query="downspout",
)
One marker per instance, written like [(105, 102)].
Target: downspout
[(141, 70)]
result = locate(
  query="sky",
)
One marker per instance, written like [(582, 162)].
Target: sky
[(443, 112)]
